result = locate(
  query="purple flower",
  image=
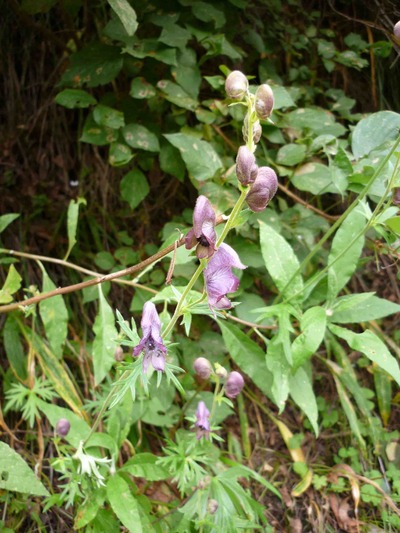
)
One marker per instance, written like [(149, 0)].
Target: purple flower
[(234, 384), (262, 190), (202, 421), (246, 168), (202, 367), (203, 232), (151, 344), (63, 426), (219, 278)]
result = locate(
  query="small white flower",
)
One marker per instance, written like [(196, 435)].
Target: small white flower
[(88, 464)]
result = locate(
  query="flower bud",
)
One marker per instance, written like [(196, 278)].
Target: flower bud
[(220, 371), (212, 506), (202, 367), (264, 101), (119, 354), (63, 426), (257, 130), (234, 384), (246, 168), (396, 31), (262, 190), (236, 85)]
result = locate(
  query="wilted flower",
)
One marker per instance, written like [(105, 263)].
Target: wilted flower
[(202, 367), (234, 384), (219, 278), (236, 85), (263, 189), (89, 464), (151, 344), (264, 101), (203, 232), (62, 427), (396, 31), (202, 421), (246, 168)]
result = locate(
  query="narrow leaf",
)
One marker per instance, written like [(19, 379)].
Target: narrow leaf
[(72, 223), (124, 504), (104, 344), (278, 365), (14, 349), (303, 395)]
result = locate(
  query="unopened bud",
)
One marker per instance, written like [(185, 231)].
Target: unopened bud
[(246, 168), (212, 506), (396, 31), (63, 426), (257, 130), (234, 384), (220, 371), (264, 101), (119, 354), (202, 367), (236, 85), (263, 189)]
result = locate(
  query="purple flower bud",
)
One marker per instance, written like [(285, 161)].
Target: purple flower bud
[(236, 85), (63, 426), (202, 367), (202, 421), (262, 190), (264, 101), (219, 278), (212, 506), (119, 354), (234, 384), (203, 231), (396, 31), (151, 344), (246, 168)]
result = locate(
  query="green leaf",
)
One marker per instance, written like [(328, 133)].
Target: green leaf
[(108, 117), (373, 131), (344, 255), (72, 223), (394, 224), (282, 98), (5, 220), (140, 89), (119, 154), (291, 154), (248, 356), (95, 65), (16, 475), (79, 429), (199, 156), (280, 261), (104, 343), (362, 308), (145, 465), (302, 393), (318, 179), (11, 285), (350, 412), (206, 12), (176, 95), (174, 35), (134, 187), (312, 325), (278, 365), (74, 98), (319, 121), (98, 135), (372, 347), (13, 347), (54, 314), (126, 14), (124, 504), (138, 136), (187, 73), (171, 161)]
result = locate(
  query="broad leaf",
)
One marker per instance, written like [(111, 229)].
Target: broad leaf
[(134, 187), (79, 429), (312, 325), (126, 15), (281, 262), (176, 95), (11, 285), (74, 98), (138, 136), (104, 343), (373, 131), (362, 308), (302, 393), (277, 364), (108, 117), (16, 475), (124, 504)]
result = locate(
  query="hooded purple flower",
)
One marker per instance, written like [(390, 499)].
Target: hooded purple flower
[(203, 232), (151, 344), (246, 168), (202, 421), (262, 190), (219, 278), (234, 384)]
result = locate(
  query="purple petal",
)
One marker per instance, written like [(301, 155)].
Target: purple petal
[(203, 213), (150, 320), (246, 168), (225, 256), (158, 360), (202, 417), (263, 189), (190, 239)]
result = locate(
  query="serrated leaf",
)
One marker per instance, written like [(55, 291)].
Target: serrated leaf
[(372, 347), (362, 308), (5, 220), (302, 393), (124, 504), (126, 15), (281, 262), (54, 314), (343, 258), (134, 187), (312, 325), (199, 156), (75, 98), (16, 475), (104, 343), (248, 356), (11, 285), (72, 223), (138, 136)]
